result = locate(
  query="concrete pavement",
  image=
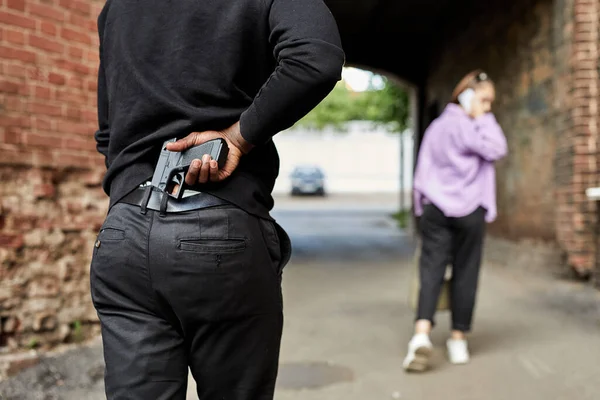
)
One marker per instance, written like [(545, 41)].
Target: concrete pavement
[(347, 322), (534, 339)]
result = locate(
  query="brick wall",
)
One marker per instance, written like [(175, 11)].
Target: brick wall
[(596, 277), (577, 219), (541, 55), (51, 203)]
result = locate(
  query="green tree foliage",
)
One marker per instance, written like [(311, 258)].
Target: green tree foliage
[(335, 110), (387, 106)]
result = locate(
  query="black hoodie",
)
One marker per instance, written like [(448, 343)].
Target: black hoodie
[(172, 67)]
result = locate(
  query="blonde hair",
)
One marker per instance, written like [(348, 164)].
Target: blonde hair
[(472, 80)]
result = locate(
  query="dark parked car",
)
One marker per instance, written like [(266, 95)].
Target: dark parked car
[(308, 179)]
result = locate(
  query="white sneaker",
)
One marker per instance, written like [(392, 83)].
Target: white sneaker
[(458, 352), (419, 351)]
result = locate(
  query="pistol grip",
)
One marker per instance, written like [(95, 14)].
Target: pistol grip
[(216, 148)]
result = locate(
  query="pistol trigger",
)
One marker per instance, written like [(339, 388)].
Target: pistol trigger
[(179, 180), (180, 177)]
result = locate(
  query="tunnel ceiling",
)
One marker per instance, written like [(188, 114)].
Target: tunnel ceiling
[(391, 35)]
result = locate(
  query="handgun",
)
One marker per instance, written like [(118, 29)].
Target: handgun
[(172, 166)]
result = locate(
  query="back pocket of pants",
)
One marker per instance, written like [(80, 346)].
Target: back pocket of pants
[(212, 246)]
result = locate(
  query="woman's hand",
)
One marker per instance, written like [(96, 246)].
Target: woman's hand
[(482, 100), (477, 107)]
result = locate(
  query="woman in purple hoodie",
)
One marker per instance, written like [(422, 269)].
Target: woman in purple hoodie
[(455, 196)]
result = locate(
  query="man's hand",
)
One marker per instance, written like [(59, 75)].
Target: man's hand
[(207, 169)]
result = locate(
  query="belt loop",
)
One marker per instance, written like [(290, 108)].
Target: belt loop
[(163, 204), (145, 200)]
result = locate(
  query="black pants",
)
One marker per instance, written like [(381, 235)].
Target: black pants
[(460, 241), (199, 289)]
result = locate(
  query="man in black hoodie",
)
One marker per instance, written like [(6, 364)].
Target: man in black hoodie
[(196, 282)]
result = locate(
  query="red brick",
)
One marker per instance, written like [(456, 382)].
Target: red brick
[(10, 156), (13, 122), (15, 54), (91, 116), (14, 37), (11, 240), (73, 160), (46, 44), (14, 103), (70, 97), (18, 5), (42, 124), (83, 7), (42, 158), (75, 36), (93, 56), (75, 52), (48, 141), (584, 11), (92, 26), (98, 161), (74, 143), (37, 74), (73, 67), (75, 83), (78, 21), (56, 79), (13, 136), (26, 121), (44, 191), (49, 28), (14, 71), (92, 85), (17, 20), (43, 92), (46, 109), (47, 12), (73, 113), (25, 222), (9, 87), (76, 128)]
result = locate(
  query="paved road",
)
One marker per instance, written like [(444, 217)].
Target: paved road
[(534, 338), (348, 321), (343, 228)]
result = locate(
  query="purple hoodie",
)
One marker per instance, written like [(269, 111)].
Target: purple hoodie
[(455, 167)]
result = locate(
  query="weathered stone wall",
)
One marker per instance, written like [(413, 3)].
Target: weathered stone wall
[(49, 220)]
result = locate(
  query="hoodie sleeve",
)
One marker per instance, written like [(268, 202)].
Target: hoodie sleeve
[(102, 135), (308, 50), (483, 137)]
